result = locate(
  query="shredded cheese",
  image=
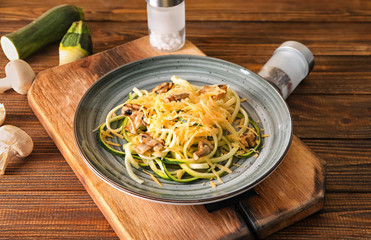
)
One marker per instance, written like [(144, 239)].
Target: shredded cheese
[(212, 184), (112, 143), (153, 178), (195, 116)]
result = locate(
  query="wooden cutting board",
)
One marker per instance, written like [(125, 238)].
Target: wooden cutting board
[(292, 192)]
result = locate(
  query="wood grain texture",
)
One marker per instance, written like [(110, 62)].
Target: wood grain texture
[(348, 164), (318, 117), (295, 190), (346, 216), (27, 174), (219, 10), (51, 215)]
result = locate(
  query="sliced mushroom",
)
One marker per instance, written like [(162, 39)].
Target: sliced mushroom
[(248, 139), (19, 76), (163, 88), (129, 108), (158, 147), (136, 120), (136, 117), (148, 143), (216, 91), (14, 144), (142, 148), (176, 97), (204, 148)]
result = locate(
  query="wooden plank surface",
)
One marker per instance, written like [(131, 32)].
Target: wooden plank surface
[(338, 34), (295, 190), (237, 10)]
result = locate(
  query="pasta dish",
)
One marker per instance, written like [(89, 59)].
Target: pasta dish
[(180, 132)]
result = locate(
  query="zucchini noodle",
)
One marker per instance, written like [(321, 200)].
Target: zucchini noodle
[(181, 132)]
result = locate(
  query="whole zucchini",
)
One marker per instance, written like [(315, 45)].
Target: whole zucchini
[(48, 28)]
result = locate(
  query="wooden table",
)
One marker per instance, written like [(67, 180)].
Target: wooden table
[(41, 198)]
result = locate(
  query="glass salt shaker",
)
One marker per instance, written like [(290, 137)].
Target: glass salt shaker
[(166, 24), (289, 65)]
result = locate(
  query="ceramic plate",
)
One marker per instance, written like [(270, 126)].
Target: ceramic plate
[(264, 104)]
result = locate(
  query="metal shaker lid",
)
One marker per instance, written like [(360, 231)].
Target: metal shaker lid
[(301, 49), (164, 3)]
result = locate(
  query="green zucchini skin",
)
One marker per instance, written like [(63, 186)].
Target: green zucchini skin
[(48, 28), (78, 33)]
